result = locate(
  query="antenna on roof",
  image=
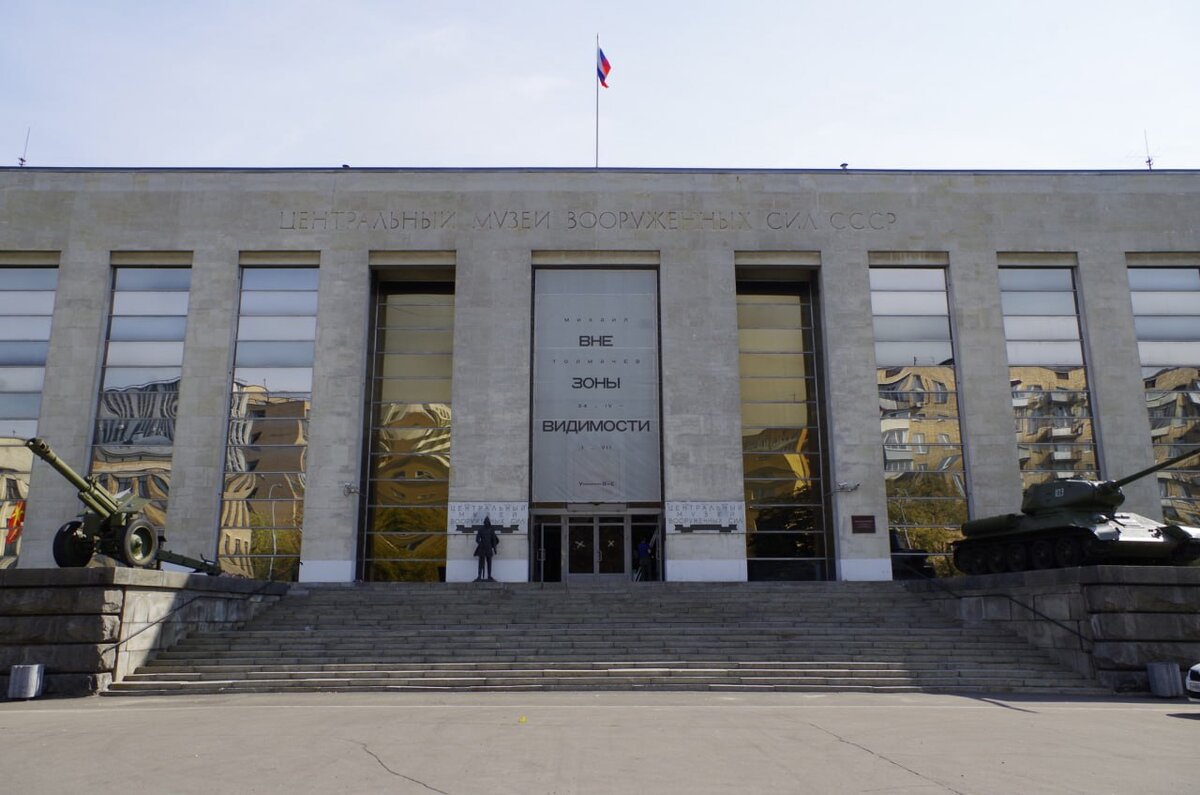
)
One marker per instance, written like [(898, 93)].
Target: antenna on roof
[(1149, 159), (21, 160)]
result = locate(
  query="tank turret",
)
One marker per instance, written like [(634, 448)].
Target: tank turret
[(1074, 522)]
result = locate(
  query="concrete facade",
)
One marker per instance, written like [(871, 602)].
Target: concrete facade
[(493, 226)]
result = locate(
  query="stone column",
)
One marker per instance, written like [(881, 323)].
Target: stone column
[(702, 445), (201, 429), (985, 398), (1122, 425), (328, 552), (854, 448), (489, 449), (68, 393)]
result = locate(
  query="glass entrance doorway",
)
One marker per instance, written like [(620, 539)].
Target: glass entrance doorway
[(619, 546)]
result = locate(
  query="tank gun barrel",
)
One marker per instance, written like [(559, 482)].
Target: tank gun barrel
[(1152, 469), (91, 494)]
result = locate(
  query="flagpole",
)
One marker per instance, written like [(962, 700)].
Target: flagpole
[(597, 81)]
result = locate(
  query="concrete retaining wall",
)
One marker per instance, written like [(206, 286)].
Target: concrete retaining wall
[(1128, 616), (91, 627)]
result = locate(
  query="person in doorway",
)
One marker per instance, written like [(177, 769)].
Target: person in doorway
[(645, 561), (486, 542)]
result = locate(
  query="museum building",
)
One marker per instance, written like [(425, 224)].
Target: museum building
[(337, 374)]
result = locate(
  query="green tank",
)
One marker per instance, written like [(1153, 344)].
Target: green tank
[(1075, 522)]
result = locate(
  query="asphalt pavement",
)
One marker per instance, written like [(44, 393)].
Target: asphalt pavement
[(610, 742)]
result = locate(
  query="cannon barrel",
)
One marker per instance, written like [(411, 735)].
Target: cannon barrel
[(1116, 484), (91, 494)]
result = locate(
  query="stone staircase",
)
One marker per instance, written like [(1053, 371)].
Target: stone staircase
[(812, 637)]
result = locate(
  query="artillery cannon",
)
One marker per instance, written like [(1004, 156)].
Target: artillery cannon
[(1074, 522), (111, 524)]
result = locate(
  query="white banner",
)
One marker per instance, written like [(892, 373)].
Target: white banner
[(595, 386)]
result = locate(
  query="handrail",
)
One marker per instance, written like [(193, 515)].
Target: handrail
[(1083, 639), (117, 644)]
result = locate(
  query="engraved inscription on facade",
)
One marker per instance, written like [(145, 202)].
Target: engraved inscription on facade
[(850, 221), (722, 514)]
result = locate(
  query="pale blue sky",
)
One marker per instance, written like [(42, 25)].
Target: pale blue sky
[(730, 84)]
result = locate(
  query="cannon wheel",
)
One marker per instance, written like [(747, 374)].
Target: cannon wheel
[(139, 543), (71, 550)]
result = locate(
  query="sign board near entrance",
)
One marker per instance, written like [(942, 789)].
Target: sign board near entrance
[(595, 386), (862, 524)]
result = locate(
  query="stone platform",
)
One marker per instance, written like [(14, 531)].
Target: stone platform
[(1106, 622), (90, 627)]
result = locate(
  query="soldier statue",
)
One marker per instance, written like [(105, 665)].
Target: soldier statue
[(486, 542)]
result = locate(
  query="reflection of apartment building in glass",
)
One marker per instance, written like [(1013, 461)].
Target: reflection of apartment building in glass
[(1051, 399), (745, 375), (1165, 290)]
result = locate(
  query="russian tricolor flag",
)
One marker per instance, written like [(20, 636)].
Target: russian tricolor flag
[(603, 67)]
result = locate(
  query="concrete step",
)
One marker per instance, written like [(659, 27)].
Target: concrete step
[(814, 637)]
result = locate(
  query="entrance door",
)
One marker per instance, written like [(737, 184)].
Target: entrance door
[(596, 547), (571, 546)]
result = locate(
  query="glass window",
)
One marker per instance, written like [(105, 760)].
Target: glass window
[(45, 279), (127, 377), (1178, 303), (275, 379), (26, 306), (781, 434), (16, 302), (274, 354), (1047, 370), (408, 489), (275, 279), (20, 405), (277, 328), (914, 357), (905, 279), (1168, 328), (1028, 303), (280, 303), (1162, 353), (1039, 280), (23, 354), (772, 340), (909, 303), (912, 328), (22, 379), (1043, 353), (139, 393), (1033, 327), (147, 328), (156, 279), (262, 511), (898, 354), (1164, 279), (150, 303), (24, 327), (144, 354)]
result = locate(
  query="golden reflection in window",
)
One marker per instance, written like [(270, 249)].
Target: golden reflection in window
[(408, 486), (785, 517)]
